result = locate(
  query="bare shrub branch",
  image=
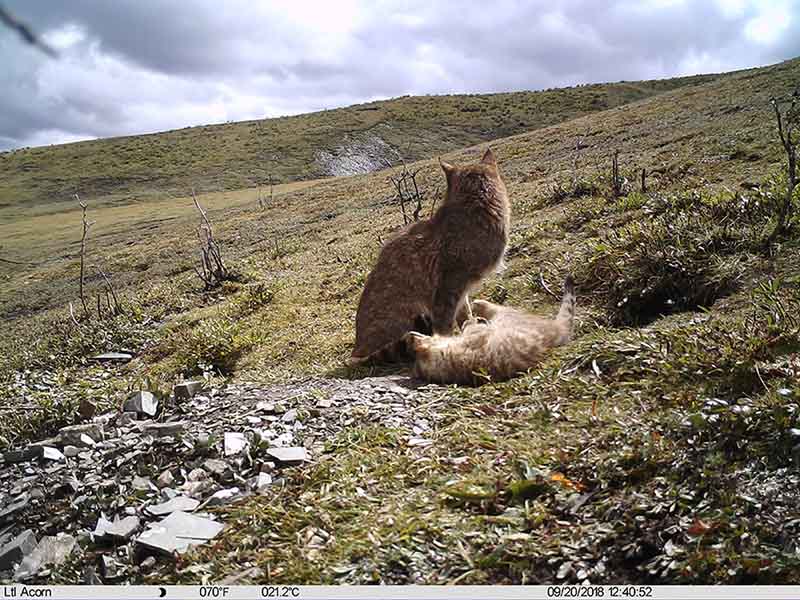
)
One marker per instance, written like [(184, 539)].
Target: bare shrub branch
[(787, 117), (25, 32), (212, 270), (616, 181), (117, 308), (86, 226), (407, 192)]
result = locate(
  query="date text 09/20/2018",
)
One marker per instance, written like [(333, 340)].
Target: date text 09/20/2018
[(596, 591)]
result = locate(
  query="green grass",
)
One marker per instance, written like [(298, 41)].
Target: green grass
[(675, 410), (217, 158)]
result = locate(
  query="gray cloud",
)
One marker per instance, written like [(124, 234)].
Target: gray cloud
[(134, 66)]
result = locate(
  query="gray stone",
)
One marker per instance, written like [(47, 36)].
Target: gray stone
[(53, 441), (217, 467), (178, 503), (198, 489), (141, 484), (197, 475), (187, 389), (290, 416), (223, 497), (50, 551), (158, 430), (86, 434), (166, 479), (71, 451), (113, 356), (148, 563), (17, 549), (264, 435), (325, 403), (102, 527), (105, 419), (24, 455), (52, 453), (141, 402), (126, 418), (123, 528), (253, 420), (10, 510), (178, 532), (267, 407), (168, 494), (261, 483), (291, 456), (235, 443)]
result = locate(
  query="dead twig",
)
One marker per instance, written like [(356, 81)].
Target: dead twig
[(545, 286), (25, 32), (616, 182), (407, 192), (72, 315), (787, 117), (117, 309), (213, 267), (86, 226)]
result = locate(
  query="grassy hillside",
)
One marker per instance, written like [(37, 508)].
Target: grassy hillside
[(238, 155), (660, 446)]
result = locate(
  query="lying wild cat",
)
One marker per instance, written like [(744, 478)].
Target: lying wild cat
[(424, 273), (497, 344)]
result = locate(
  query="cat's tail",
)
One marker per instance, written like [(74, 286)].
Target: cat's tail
[(566, 314)]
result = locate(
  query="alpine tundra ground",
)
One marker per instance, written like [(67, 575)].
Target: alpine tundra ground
[(661, 446)]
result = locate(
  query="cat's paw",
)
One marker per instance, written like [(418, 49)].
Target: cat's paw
[(483, 309), (474, 322), (415, 340)]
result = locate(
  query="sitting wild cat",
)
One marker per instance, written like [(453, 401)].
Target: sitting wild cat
[(497, 343), (424, 273)]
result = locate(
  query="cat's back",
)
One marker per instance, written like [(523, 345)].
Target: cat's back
[(537, 330), (397, 290), (402, 257)]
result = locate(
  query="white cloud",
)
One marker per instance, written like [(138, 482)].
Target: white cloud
[(135, 66), (771, 23)]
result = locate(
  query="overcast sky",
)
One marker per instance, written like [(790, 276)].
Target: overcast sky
[(136, 66)]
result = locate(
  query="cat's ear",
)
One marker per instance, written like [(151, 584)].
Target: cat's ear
[(447, 168), (488, 158)]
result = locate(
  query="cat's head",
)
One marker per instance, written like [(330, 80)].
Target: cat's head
[(479, 178)]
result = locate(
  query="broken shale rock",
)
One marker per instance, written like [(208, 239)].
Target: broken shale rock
[(17, 549), (130, 474), (141, 402), (86, 434), (178, 532), (51, 550), (294, 455), (186, 390)]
